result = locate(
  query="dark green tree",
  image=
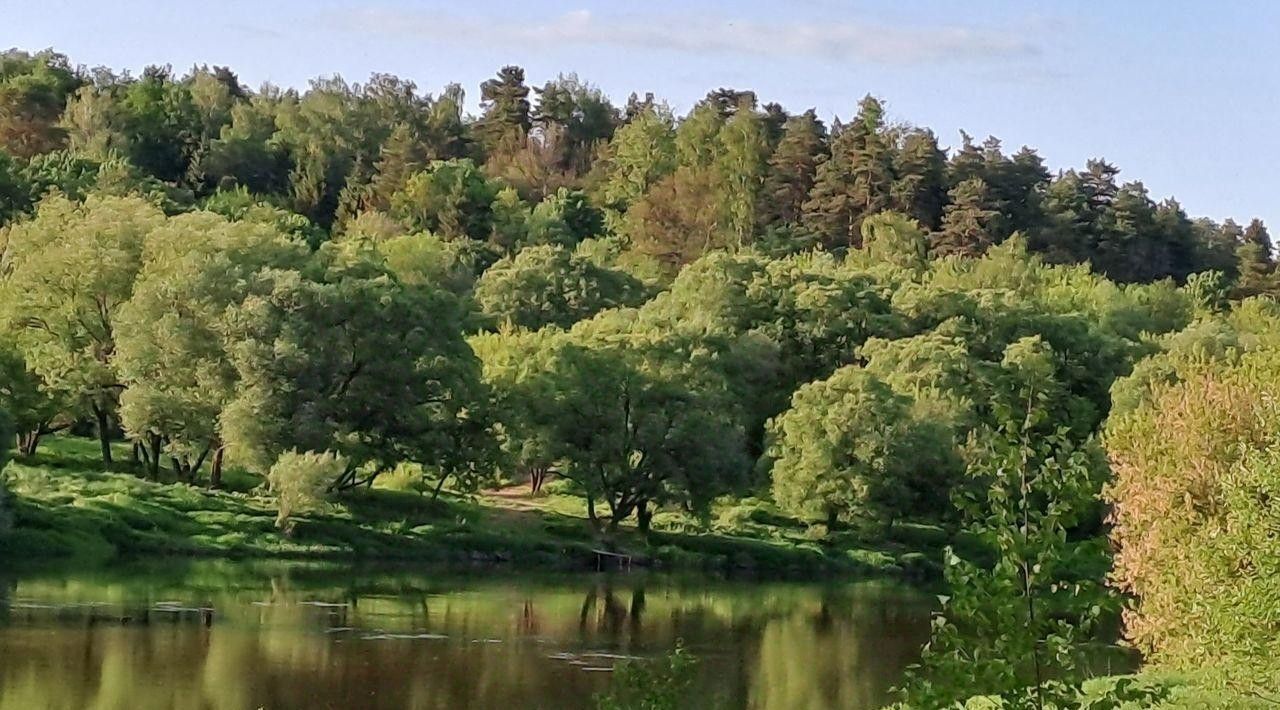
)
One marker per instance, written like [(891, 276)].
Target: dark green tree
[(856, 182), (1256, 233), (33, 93), (506, 118), (579, 115), (792, 169), (967, 227), (920, 178)]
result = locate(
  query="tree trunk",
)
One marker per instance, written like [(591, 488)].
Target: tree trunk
[(215, 470), (135, 453), (833, 518), (435, 495), (591, 512), (619, 511), (643, 516), (28, 442), (104, 434), (153, 457)]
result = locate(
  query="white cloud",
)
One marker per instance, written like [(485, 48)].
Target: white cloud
[(702, 34)]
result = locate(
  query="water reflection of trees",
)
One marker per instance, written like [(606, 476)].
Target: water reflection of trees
[(836, 656), (612, 614), (762, 646)]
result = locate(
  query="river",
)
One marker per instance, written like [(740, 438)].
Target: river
[(223, 635)]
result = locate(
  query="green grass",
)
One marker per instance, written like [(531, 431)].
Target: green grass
[(64, 505)]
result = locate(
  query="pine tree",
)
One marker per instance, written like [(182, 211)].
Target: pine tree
[(919, 189), (968, 162), (1099, 183), (400, 157), (1257, 272), (792, 169), (855, 182), (1255, 260), (636, 105), (1256, 233), (775, 122), (579, 115), (1021, 187), (445, 132), (1017, 184), (1128, 247), (966, 226), (1186, 251), (505, 101), (1067, 235), (727, 102)]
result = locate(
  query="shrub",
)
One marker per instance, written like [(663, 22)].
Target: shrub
[(662, 684), (300, 481), (851, 448), (1196, 501), (407, 477)]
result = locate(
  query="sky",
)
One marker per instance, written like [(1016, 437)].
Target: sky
[(1184, 96)]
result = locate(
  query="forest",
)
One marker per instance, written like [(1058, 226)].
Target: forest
[(854, 345)]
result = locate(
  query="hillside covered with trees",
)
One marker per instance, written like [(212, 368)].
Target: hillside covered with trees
[(741, 318)]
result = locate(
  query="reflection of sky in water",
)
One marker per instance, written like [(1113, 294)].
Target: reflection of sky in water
[(222, 635)]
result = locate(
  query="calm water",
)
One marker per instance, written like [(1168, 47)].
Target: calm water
[(243, 635)]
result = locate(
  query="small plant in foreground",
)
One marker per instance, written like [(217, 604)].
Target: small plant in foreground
[(299, 482), (661, 684)]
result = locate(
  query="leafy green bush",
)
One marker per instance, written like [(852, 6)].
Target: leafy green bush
[(661, 684), (299, 482), (406, 477), (851, 447), (1196, 503)]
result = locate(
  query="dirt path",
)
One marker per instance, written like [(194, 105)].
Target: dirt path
[(514, 497)]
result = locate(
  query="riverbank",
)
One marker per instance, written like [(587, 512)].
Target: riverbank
[(64, 506)]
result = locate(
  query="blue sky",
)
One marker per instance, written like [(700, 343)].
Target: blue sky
[(1183, 96)]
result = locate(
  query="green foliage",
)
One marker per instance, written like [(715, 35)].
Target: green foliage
[(171, 347), (849, 448), (33, 93), (968, 221), (450, 198), (1195, 467), (1011, 629), (792, 169), (642, 153), (892, 238), (892, 308), (551, 285), (406, 477), (621, 414), (565, 217), (427, 261), (6, 441), (15, 190), (32, 409), (661, 684), (384, 388), (855, 183), (69, 270)]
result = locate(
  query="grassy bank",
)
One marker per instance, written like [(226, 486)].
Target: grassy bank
[(1155, 690), (64, 505)]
